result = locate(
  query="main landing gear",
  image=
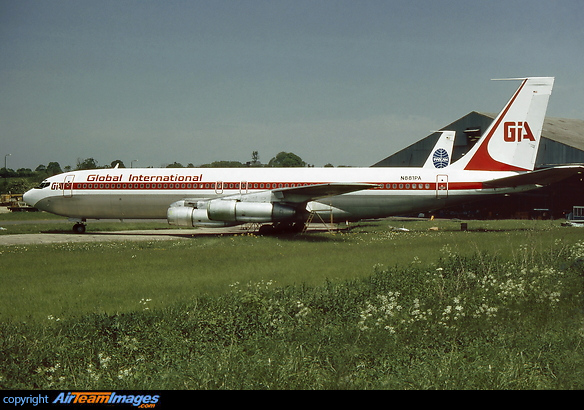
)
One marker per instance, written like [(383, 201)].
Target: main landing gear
[(281, 228)]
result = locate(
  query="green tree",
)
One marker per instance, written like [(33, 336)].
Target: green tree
[(117, 162), (7, 173), (41, 169), (175, 165), (54, 168), (255, 159), (19, 185), (87, 163), (286, 159), (223, 164), (24, 172)]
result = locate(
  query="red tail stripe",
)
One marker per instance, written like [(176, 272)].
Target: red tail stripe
[(482, 160)]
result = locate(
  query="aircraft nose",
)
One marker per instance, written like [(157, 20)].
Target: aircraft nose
[(29, 197)]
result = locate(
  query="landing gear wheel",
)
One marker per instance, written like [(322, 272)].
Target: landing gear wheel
[(289, 227), (298, 227), (79, 228), (266, 230)]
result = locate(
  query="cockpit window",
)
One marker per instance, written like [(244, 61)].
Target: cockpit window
[(43, 184)]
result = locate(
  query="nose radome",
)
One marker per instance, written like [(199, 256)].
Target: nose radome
[(29, 197)]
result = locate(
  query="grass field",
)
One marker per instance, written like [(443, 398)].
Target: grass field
[(497, 306), (67, 280), (35, 222)]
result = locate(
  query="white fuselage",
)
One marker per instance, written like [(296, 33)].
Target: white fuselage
[(147, 193)]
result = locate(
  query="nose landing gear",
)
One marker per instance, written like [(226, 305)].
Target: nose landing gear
[(79, 228)]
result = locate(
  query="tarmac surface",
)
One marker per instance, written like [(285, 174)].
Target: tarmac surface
[(147, 235), (134, 235), (67, 236)]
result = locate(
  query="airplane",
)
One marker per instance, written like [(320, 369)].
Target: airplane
[(441, 154), (283, 199)]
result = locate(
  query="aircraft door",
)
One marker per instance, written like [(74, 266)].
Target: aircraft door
[(441, 186), (219, 187), (68, 186), (243, 187)]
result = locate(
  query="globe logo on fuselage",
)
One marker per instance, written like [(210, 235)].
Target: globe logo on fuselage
[(440, 158)]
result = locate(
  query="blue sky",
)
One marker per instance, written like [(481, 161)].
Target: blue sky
[(341, 82)]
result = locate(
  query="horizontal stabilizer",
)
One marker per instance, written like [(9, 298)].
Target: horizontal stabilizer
[(542, 177)]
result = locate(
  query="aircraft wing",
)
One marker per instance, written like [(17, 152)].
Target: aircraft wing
[(291, 195), (316, 191), (541, 177)]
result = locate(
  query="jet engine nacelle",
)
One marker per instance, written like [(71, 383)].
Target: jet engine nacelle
[(222, 212), (243, 212), (182, 213)]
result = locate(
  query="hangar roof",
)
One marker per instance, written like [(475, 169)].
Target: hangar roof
[(560, 132)]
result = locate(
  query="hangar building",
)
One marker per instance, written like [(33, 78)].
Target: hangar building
[(562, 142)]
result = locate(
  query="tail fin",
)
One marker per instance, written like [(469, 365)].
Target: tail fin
[(512, 140), (441, 154)]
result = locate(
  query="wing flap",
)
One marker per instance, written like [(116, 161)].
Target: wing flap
[(291, 195), (317, 191), (542, 177)]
